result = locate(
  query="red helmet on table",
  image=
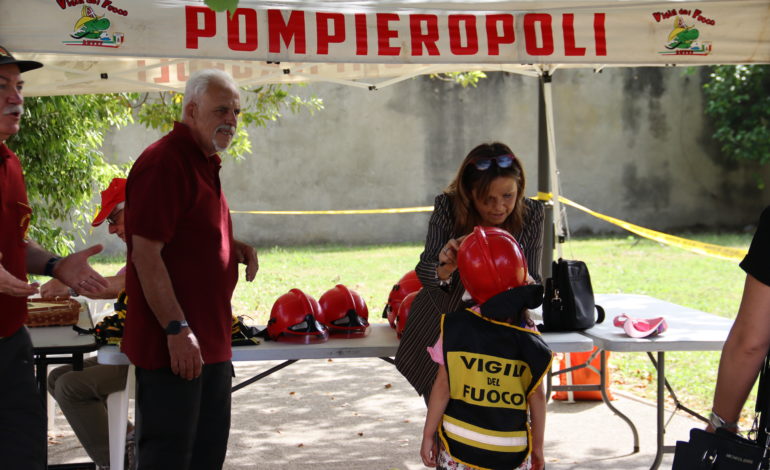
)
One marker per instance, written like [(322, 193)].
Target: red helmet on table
[(490, 261), (406, 285), (293, 319), (403, 313), (343, 312)]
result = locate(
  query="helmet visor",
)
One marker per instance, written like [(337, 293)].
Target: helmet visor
[(305, 332), (350, 325)]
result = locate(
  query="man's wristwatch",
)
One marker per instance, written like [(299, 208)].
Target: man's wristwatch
[(49, 265), (175, 326)]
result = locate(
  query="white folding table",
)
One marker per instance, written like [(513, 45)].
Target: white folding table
[(380, 342), (688, 330), (61, 341), (61, 345)]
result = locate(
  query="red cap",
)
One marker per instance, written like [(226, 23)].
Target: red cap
[(111, 197)]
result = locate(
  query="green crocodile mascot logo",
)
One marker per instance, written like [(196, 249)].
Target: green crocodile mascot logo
[(682, 36), (90, 26)]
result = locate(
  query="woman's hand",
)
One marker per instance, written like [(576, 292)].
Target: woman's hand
[(447, 258)]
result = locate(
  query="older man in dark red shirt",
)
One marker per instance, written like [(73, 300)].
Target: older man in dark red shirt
[(180, 279), (22, 423)]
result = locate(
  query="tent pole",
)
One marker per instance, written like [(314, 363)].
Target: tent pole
[(543, 177)]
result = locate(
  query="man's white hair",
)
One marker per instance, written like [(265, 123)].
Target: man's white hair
[(199, 83)]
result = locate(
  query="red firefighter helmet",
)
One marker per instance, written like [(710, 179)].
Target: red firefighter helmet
[(406, 285), (490, 261), (343, 312), (403, 313), (293, 319)]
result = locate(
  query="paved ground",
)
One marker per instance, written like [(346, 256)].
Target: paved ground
[(360, 414)]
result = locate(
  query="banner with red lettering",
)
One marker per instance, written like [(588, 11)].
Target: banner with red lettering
[(107, 45)]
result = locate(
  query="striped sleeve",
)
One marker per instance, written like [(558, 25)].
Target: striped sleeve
[(531, 238), (439, 232)]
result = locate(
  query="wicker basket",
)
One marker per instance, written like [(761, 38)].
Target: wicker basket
[(52, 312)]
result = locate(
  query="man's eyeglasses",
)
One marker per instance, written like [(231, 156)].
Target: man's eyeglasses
[(502, 161), (112, 220)]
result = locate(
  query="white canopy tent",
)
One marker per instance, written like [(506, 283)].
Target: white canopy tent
[(101, 46)]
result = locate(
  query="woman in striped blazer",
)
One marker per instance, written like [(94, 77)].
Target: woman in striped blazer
[(487, 190)]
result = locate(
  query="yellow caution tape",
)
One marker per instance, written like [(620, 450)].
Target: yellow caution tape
[(402, 210), (717, 251)]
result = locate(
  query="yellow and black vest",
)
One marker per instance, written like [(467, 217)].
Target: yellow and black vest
[(492, 367)]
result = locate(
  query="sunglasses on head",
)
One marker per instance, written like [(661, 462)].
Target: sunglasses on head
[(502, 161)]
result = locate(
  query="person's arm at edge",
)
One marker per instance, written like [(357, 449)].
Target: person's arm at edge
[(183, 348), (537, 407), (73, 270), (744, 351), (439, 397)]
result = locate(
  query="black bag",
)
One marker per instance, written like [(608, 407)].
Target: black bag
[(721, 450), (569, 298), (724, 450)]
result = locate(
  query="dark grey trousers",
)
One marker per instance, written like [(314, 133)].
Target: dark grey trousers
[(183, 424), (23, 441)]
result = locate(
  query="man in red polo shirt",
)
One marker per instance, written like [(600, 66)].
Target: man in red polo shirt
[(22, 418), (181, 274)]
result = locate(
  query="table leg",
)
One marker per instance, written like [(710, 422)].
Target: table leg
[(41, 377), (77, 361), (263, 374), (677, 404), (659, 425), (606, 399)]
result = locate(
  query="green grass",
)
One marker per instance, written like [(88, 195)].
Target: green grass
[(640, 266), (618, 264)]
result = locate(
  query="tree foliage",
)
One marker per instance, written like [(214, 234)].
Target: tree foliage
[(60, 146), (738, 101), (222, 5), (465, 79), (259, 106)]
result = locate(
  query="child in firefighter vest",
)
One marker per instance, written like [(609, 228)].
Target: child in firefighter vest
[(487, 402)]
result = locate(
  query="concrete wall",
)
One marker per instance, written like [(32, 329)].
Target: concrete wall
[(631, 143)]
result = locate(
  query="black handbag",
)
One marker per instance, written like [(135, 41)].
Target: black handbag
[(569, 298), (724, 450), (721, 450)]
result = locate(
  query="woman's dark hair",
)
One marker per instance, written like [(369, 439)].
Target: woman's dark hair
[(470, 179)]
